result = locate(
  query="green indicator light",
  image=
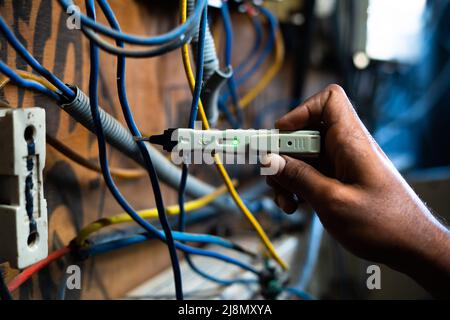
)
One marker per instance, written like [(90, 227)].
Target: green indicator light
[(235, 141)]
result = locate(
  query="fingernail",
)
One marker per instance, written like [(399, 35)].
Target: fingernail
[(275, 162)]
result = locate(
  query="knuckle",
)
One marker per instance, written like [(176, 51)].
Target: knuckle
[(335, 194), (294, 175)]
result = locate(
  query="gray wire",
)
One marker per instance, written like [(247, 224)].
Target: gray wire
[(121, 139), (136, 53)]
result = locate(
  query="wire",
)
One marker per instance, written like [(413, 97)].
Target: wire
[(192, 117), (194, 110), (146, 214), (222, 282), (117, 244), (30, 76), (264, 238), (268, 75), (27, 84), (232, 87), (180, 236), (180, 246), (136, 53), (267, 50), (299, 294), (28, 57), (107, 247), (315, 240), (125, 205), (177, 33), (275, 37), (30, 271), (120, 173), (258, 28), (121, 86)]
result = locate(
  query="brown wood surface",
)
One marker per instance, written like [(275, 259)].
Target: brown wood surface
[(160, 98)]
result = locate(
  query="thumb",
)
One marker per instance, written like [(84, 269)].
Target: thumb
[(300, 178)]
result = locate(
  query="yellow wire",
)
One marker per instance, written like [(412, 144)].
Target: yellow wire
[(269, 75), (226, 178), (147, 214)]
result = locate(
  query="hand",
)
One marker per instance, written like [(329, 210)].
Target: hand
[(360, 197)]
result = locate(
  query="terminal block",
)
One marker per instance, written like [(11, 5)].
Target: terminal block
[(23, 209)]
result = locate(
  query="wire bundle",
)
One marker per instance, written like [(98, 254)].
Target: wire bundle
[(176, 38)]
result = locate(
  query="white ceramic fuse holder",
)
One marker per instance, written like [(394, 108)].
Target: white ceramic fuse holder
[(23, 209)]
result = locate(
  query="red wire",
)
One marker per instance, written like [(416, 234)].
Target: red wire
[(30, 271)]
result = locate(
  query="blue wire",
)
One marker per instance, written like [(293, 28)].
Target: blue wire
[(257, 26), (28, 84), (143, 223), (122, 243), (299, 293), (315, 240), (194, 110), (268, 48), (184, 174), (222, 282), (189, 237), (23, 52), (231, 83), (135, 131), (175, 34), (109, 181)]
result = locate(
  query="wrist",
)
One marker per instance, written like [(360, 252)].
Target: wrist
[(426, 258)]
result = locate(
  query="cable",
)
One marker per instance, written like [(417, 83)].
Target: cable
[(107, 247), (177, 33), (120, 173), (117, 244), (268, 75), (222, 282), (299, 294), (27, 84), (121, 62), (232, 87), (192, 117), (180, 236), (30, 76), (4, 292), (145, 214), (258, 28), (23, 52), (267, 50), (315, 239), (30, 271), (274, 37), (264, 238), (203, 252), (136, 53)]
